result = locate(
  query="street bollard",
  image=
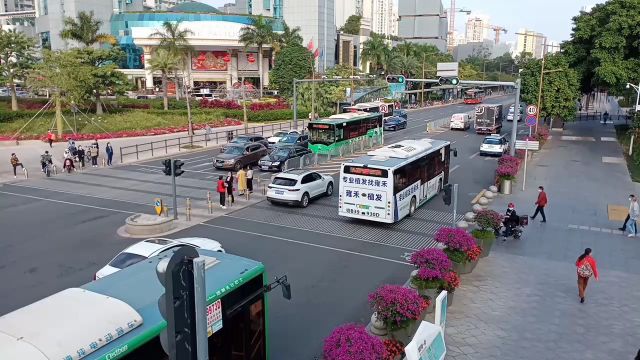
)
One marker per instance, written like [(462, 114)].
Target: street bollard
[(104, 162), (210, 205), (188, 209), (165, 211), (26, 173), (55, 170)]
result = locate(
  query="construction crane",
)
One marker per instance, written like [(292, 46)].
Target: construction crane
[(497, 30), (452, 22)]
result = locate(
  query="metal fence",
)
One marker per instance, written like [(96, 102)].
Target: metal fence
[(599, 116), (213, 138)]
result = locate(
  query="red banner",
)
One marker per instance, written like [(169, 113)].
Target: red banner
[(209, 61)]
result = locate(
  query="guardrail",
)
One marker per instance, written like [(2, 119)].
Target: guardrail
[(211, 139)]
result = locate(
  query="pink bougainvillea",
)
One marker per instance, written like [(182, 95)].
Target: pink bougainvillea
[(396, 305), (431, 258), (455, 239), (352, 342)]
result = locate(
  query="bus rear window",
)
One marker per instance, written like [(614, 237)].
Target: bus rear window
[(366, 171)]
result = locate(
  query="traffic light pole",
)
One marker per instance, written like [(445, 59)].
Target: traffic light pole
[(455, 203), (173, 186)]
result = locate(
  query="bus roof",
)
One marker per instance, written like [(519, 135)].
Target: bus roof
[(340, 118), (395, 155), (135, 290)]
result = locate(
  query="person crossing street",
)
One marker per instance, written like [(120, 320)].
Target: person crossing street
[(634, 214), (540, 204), (15, 162)]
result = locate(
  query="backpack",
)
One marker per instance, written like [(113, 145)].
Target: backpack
[(585, 270)]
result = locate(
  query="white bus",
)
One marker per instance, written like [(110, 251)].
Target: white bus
[(390, 183)]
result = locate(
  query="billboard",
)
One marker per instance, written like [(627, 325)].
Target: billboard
[(208, 61)]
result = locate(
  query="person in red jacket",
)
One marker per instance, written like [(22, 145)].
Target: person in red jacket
[(222, 191), (540, 204), (585, 267)]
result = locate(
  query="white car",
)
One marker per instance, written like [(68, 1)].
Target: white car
[(460, 121), (298, 187), (151, 247), (494, 144), (279, 135), (510, 116)]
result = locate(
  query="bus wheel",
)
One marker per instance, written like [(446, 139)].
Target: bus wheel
[(412, 206)]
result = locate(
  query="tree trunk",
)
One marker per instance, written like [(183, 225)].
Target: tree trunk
[(260, 68), (165, 95), (59, 115), (98, 104), (14, 97)]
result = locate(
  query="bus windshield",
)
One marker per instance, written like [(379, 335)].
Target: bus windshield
[(322, 136)]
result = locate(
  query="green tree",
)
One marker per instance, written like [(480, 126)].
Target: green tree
[(469, 72), (560, 88), (17, 57), (166, 63), (375, 50), (292, 62), (605, 46), (290, 36), (259, 33), (352, 25), (85, 30), (176, 41), (405, 65)]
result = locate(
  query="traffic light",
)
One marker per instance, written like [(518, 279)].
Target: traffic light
[(448, 189), (395, 79), (177, 167), (177, 303), (167, 166), (448, 81)]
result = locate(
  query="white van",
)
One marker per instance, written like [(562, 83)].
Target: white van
[(460, 121)]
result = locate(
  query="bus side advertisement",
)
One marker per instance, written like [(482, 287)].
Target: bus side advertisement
[(364, 193)]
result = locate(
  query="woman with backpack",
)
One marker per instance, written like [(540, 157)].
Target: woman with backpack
[(586, 267)]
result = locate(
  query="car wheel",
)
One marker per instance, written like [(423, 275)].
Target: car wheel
[(304, 202), (237, 166), (412, 206), (329, 191)]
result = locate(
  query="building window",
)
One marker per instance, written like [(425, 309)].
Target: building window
[(45, 40), (266, 5), (44, 7), (250, 7)]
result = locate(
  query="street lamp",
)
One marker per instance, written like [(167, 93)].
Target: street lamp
[(637, 89)]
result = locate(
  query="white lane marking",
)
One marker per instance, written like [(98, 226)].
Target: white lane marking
[(474, 155), (200, 165), (613, 160), (454, 168), (81, 194), (67, 202), (577, 138), (453, 142), (466, 135), (319, 232), (193, 171), (309, 244), (607, 138)]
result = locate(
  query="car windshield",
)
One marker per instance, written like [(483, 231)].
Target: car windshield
[(125, 259), (234, 150), (281, 152), (241, 140), (284, 181), (280, 134), (289, 139), (491, 141)]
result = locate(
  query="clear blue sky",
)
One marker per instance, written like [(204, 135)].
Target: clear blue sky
[(550, 17)]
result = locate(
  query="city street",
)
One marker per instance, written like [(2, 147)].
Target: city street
[(67, 226)]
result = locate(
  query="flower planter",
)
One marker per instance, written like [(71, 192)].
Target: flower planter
[(432, 294), (450, 298), (464, 268), (406, 333), (486, 246), (505, 187)]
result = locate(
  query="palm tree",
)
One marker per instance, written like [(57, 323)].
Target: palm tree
[(259, 33), (375, 51), (165, 62), (84, 30), (176, 41), (405, 65), (406, 48), (290, 36)]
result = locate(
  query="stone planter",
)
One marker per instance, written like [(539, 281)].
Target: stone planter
[(406, 333), (505, 187), (487, 244), (464, 268), (450, 299), (432, 294)]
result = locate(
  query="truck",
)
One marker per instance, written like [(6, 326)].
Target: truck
[(488, 119)]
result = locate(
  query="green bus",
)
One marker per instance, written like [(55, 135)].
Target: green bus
[(117, 317), (327, 136)]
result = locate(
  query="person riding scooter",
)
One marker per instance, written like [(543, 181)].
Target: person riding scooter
[(511, 220)]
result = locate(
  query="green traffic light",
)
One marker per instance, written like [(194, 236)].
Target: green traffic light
[(455, 81), (401, 79)]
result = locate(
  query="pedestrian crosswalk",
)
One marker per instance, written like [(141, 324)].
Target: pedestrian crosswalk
[(332, 167)]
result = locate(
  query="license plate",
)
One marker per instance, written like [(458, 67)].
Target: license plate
[(265, 167), (279, 192)]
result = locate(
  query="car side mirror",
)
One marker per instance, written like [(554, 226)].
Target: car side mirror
[(455, 152)]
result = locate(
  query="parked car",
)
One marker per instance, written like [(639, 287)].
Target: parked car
[(394, 123), (151, 247), (246, 139), (460, 121), (494, 144), (4, 92), (237, 156), (298, 187), (401, 112), (276, 159), (279, 135), (294, 140)]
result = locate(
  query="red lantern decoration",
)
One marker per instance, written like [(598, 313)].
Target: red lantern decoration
[(251, 59), (226, 58)]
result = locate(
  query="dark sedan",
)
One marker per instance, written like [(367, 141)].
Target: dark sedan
[(246, 139), (236, 157), (394, 123), (400, 112), (294, 140), (275, 161)]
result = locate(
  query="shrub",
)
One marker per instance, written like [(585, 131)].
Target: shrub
[(352, 342), (219, 104), (428, 278), (488, 219), (396, 306), (431, 258), (460, 245)]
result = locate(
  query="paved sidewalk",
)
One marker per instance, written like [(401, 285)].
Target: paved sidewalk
[(522, 301)]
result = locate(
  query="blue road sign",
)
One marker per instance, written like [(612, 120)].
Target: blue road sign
[(531, 121)]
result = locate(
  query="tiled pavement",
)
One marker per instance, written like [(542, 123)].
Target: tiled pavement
[(521, 302)]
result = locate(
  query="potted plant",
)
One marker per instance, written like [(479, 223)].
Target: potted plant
[(431, 267), (351, 341), (489, 222), (461, 248), (450, 283), (400, 309), (394, 349), (506, 172)]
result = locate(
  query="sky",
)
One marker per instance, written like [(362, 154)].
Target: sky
[(549, 17)]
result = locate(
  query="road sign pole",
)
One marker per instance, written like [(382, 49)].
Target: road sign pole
[(526, 158), (173, 185), (455, 203), (514, 128)]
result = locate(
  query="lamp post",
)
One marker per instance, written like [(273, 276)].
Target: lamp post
[(637, 89)]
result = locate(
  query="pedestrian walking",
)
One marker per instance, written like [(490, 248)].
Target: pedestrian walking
[(222, 191), (626, 220), (93, 152), (207, 132), (81, 155), (250, 180), (15, 162), (540, 204), (242, 181), (50, 138), (229, 182), (109, 150), (586, 268), (605, 118), (634, 214)]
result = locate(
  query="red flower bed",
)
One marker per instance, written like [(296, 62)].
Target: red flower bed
[(265, 106), (219, 104)]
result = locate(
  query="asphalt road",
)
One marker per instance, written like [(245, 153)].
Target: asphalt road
[(57, 233)]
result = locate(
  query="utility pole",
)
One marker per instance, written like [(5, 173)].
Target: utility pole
[(539, 104), (516, 111), (422, 92), (173, 186), (244, 107)]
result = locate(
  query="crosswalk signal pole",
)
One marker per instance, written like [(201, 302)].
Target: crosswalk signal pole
[(455, 203), (173, 186)]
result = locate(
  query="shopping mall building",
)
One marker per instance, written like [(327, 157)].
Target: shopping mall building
[(219, 58)]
